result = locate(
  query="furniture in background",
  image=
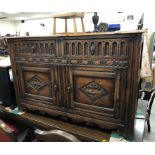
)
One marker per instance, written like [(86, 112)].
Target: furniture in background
[(148, 78), (7, 93), (88, 78), (68, 16), (149, 96), (151, 49), (3, 46), (10, 131), (54, 136), (140, 120)]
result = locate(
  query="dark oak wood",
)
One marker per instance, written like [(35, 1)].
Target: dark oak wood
[(88, 78)]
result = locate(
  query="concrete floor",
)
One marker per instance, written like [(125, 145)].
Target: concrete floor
[(150, 137)]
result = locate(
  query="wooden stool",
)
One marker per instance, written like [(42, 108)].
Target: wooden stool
[(69, 16)]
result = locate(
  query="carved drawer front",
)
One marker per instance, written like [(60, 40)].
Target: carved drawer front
[(36, 85), (30, 47), (96, 47), (96, 92)]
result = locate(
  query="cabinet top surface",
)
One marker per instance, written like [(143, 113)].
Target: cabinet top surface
[(84, 34)]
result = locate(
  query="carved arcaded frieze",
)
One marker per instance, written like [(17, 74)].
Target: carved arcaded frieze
[(96, 47), (35, 47)]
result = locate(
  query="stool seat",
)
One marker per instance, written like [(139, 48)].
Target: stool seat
[(72, 15), (69, 15)]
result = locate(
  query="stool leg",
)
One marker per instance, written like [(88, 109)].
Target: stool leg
[(83, 27), (66, 26), (75, 28), (54, 25)]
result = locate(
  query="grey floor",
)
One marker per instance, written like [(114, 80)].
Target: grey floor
[(150, 137)]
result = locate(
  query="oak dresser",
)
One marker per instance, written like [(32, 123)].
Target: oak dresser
[(89, 78)]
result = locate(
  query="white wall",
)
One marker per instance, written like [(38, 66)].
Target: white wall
[(34, 28), (7, 27)]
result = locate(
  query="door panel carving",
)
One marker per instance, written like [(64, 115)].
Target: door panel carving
[(97, 90), (36, 83)]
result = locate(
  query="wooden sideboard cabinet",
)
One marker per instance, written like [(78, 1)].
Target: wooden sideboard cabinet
[(89, 77)]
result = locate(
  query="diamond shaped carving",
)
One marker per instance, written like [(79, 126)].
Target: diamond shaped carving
[(94, 91), (37, 83)]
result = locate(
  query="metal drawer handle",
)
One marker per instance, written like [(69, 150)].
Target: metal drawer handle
[(92, 49), (69, 89), (33, 49), (55, 87)]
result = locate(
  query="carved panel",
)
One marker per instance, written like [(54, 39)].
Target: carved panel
[(105, 63), (93, 88), (94, 91), (35, 47), (96, 47), (36, 83)]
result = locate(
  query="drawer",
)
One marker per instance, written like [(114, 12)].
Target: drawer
[(96, 48), (35, 47)]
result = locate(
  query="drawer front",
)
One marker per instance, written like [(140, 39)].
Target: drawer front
[(96, 92), (96, 47), (34, 51)]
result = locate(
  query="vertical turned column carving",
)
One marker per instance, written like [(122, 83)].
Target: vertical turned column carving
[(123, 48), (106, 48), (100, 52), (37, 47), (114, 48), (52, 50), (73, 49), (41, 48), (86, 48), (15, 48), (80, 52), (66, 48), (47, 50)]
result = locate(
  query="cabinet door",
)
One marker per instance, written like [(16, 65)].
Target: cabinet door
[(37, 85), (96, 93)]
